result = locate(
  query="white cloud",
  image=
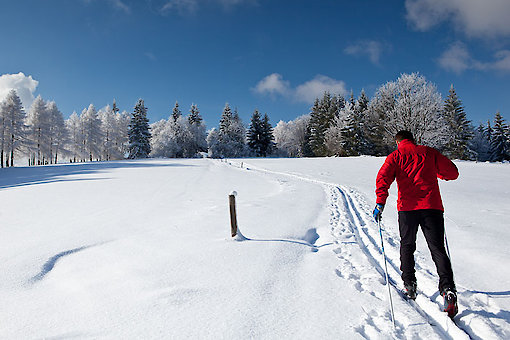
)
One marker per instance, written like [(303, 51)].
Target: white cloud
[(478, 18), (458, 59), (24, 86), (370, 48), (272, 84), (316, 87)]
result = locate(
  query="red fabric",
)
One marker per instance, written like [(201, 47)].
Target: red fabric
[(416, 168)]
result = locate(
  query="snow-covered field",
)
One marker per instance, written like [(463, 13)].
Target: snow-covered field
[(141, 249)]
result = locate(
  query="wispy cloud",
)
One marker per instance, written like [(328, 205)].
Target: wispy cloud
[(274, 84), (184, 7), (24, 85), (150, 56), (370, 48), (117, 4), (458, 59), (120, 5), (473, 17)]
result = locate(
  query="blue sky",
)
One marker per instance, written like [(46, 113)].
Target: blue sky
[(272, 55)]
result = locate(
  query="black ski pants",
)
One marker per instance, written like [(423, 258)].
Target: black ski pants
[(432, 226)]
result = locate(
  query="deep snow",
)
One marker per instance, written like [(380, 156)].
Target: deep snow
[(141, 249)]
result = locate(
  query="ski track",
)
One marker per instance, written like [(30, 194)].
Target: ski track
[(353, 227)]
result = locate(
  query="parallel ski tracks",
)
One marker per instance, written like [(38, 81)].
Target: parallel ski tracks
[(351, 219)]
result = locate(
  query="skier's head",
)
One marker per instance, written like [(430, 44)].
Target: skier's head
[(404, 134)]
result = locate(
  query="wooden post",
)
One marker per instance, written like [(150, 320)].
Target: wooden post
[(233, 217)]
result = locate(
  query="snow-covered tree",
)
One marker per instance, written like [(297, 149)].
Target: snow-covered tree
[(267, 136), (499, 145), (347, 134), (254, 134), (121, 138), (480, 144), (57, 131), (139, 132), (38, 123), (229, 139), (110, 130), (292, 138), (12, 127), (76, 138), (115, 109), (343, 137), (460, 128), (410, 103), (260, 137), (92, 133), (195, 135), (170, 138), (176, 112), (322, 115)]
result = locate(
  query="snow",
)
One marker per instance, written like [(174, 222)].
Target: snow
[(142, 249)]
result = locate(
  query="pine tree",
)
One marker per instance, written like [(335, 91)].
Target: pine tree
[(176, 112), (268, 144), (322, 116), (254, 133), (499, 146), (480, 144), (139, 132), (115, 109), (230, 138), (194, 117), (351, 133), (260, 135), (196, 135), (461, 131), (362, 102)]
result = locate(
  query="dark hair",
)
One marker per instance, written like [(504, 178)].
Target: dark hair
[(404, 134)]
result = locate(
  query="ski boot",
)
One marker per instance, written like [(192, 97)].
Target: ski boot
[(450, 302), (410, 290)]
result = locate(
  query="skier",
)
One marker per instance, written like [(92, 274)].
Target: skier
[(416, 168)]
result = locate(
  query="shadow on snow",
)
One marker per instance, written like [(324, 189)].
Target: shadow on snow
[(22, 176)]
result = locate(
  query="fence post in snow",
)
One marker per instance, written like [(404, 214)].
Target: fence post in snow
[(233, 217)]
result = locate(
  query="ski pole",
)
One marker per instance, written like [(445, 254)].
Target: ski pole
[(386, 273), (447, 248), (448, 251)]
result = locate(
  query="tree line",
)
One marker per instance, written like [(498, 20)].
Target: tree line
[(339, 127), (335, 126)]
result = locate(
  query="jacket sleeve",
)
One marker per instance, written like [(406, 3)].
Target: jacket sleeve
[(385, 178), (446, 170)]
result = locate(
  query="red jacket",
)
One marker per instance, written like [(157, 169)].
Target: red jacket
[(416, 168)]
